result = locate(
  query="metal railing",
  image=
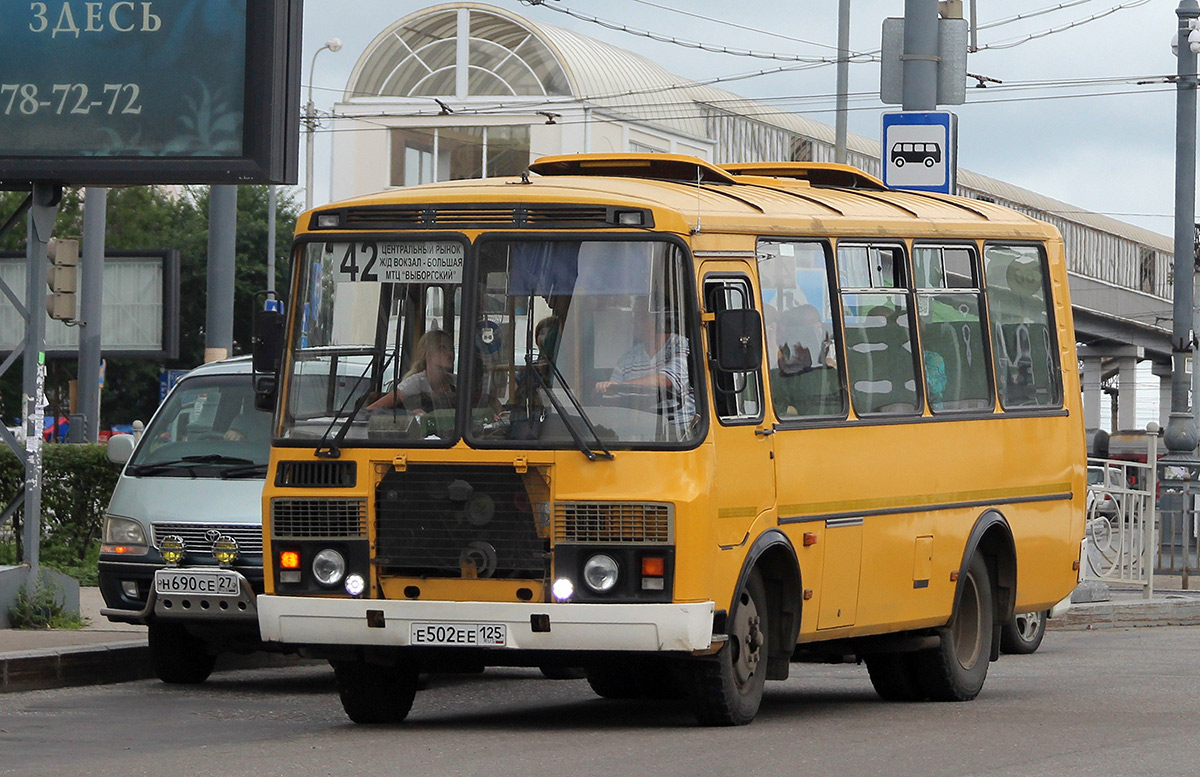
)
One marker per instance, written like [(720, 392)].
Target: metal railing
[(1121, 527)]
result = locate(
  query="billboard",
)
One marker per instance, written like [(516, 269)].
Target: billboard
[(154, 91), (139, 307)]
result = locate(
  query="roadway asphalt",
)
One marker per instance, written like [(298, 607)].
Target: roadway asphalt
[(106, 652)]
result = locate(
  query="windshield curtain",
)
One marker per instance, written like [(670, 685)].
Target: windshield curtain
[(385, 353), (206, 425)]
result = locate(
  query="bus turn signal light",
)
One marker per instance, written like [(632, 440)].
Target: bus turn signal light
[(654, 566), (289, 559)]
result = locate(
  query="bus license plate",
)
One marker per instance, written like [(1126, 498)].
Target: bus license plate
[(218, 582), (459, 634)]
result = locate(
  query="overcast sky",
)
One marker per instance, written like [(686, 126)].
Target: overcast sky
[(1070, 119)]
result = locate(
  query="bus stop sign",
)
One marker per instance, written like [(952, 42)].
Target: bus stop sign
[(920, 150)]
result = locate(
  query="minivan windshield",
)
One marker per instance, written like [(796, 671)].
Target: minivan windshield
[(208, 427)]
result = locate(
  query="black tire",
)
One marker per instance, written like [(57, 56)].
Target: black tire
[(375, 694), (727, 690), (563, 672), (893, 677), (1023, 634), (956, 669), (898, 161), (177, 656)]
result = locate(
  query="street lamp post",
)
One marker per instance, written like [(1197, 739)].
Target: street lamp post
[(310, 122), (1181, 434)]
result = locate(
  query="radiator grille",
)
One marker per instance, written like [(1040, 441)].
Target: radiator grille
[(624, 522), (316, 474), (196, 539), (318, 518), (458, 521)]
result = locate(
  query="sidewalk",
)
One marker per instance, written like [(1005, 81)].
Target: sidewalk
[(106, 652)]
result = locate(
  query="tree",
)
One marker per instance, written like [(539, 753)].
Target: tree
[(147, 218)]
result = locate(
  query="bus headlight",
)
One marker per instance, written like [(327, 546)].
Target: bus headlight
[(355, 585), (329, 567), (600, 573)]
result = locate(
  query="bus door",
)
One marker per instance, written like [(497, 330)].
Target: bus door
[(745, 476)]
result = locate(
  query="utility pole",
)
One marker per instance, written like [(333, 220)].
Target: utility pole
[(843, 81), (1181, 436), (920, 57), (222, 252), (91, 297)]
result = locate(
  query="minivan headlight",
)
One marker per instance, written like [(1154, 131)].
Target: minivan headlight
[(122, 535)]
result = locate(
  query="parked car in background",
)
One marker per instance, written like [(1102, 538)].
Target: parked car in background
[(1105, 486), (182, 539)]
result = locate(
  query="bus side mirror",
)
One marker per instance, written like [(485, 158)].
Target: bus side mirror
[(267, 341), (739, 340), (266, 346)]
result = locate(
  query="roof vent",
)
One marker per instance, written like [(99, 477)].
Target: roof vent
[(663, 167)]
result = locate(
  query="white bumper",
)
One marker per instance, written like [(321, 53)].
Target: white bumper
[(300, 620)]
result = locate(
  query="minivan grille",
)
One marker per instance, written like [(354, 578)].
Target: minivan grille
[(196, 538), (318, 518), (458, 521), (623, 522), (316, 474)]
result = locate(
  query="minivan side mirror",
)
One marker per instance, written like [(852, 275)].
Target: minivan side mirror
[(739, 340), (120, 448)]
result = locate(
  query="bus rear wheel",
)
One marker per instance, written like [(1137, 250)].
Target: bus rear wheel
[(727, 690), (956, 669), (375, 694)]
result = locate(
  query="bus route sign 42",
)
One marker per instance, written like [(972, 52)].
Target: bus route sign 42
[(920, 150)]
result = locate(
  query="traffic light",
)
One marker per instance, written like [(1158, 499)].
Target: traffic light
[(61, 278)]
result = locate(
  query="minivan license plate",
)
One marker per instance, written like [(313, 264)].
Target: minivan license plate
[(459, 634), (218, 582)]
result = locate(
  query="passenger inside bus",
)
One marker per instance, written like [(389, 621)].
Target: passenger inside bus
[(657, 361), (430, 383)]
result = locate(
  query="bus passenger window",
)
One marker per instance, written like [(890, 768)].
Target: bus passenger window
[(802, 355), (948, 316), (1023, 338), (880, 362)]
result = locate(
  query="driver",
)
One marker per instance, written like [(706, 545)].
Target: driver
[(657, 360)]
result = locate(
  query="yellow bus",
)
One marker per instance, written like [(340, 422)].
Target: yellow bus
[(673, 424)]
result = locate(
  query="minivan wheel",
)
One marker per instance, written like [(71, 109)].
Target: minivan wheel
[(177, 656)]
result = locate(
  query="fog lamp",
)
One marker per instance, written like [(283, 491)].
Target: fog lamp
[(329, 567), (563, 589), (129, 588), (172, 548), (600, 573), (225, 550), (355, 585)]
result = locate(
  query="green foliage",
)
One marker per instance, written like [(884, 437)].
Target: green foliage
[(77, 483), (42, 609), (149, 218)]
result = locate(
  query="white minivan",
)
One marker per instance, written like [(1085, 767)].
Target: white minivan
[(181, 548)]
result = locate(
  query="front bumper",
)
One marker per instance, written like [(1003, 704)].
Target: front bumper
[(296, 620), (187, 608)]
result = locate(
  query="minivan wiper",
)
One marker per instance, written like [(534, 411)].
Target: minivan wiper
[(580, 443), (245, 471), (188, 463)]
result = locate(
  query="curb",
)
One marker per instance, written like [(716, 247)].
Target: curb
[(1170, 610), (115, 662)]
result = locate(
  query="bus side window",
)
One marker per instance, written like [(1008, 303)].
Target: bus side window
[(802, 353), (949, 305), (881, 363), (1024, 340), (738, 395)]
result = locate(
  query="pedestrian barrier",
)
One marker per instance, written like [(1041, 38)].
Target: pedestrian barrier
[(1120, 529)]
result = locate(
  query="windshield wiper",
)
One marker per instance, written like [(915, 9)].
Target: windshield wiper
[(245, 471), (189, 463), (332, 449), (580, 443)]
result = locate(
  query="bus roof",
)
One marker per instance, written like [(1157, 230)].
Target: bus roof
[(686, 195)]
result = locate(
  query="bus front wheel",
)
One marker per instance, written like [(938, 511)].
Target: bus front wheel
[(956, 669), (375, 694), (727, 690)]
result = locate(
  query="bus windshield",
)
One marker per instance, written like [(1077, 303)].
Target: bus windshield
[(534, 343)]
